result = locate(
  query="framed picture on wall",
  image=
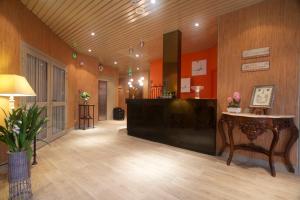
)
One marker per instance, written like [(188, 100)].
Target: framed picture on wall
[(185, 85), (199, 67), (262, 96)]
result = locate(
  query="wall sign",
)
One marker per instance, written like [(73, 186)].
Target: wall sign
[(254, 53), (257, 66), (129, 72), (185, 85), (74, 55), (199, 67)]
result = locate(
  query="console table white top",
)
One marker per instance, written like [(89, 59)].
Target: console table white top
[(258, 116)]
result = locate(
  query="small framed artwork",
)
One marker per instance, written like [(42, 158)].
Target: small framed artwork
[(185, 85), (199, 67), (262, 96)]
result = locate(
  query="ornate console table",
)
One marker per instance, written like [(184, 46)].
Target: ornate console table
[(254, 126)]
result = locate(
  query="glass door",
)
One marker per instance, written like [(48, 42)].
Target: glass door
[(36, 72), (58, 103), (48, 80)]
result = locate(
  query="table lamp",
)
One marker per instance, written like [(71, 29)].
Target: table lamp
[(197, 89), (12, 85)]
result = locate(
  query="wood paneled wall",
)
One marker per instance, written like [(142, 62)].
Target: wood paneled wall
[(18, 24), (272, 23)]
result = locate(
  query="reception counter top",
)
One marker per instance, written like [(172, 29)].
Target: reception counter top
[(188, 124)]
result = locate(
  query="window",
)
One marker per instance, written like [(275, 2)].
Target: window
[(48, 78)]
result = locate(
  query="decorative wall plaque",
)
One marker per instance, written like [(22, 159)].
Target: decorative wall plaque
[(254, 53), (257, 66)]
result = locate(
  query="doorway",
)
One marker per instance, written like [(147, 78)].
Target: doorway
[(102, 100), (48, 78)]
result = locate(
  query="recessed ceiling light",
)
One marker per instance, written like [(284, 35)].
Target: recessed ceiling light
[(90, 50), (196, 24), (137, 55), (115, 62), (153, 1), (93, 34), (137, 68)]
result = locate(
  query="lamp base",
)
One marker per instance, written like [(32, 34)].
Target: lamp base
[(197, 90), (11, 103)]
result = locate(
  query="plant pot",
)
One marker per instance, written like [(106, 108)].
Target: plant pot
[(19, 176), (234, 110)]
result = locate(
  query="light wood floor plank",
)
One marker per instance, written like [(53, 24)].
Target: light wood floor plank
[(104, 163)]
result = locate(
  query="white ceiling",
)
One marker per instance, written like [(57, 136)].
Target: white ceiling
[(118, 27)]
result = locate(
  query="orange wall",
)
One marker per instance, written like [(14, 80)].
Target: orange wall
[(209, 81), (156, 72), (18, 24)]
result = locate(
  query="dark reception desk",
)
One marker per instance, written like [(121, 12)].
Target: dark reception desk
[(188, 124)]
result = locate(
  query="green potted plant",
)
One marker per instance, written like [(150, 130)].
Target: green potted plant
[(22, 125), (85, 96)]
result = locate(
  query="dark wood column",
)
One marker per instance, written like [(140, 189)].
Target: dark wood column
[(172, 61)]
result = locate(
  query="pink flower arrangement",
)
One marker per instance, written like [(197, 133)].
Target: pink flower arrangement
[(235, 100), (229, 100), (236, 96)]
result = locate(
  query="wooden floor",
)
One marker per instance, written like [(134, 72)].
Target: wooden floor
[(106, 164)]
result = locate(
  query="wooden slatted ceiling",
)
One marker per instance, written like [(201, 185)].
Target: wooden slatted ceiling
[(118, 27)]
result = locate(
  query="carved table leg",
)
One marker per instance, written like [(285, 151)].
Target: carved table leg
[(271, 151), (293, 138), (231, 141), (223, 137)]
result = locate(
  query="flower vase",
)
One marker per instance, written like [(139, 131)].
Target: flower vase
[(19, 176), (85, 101), (234, 110)]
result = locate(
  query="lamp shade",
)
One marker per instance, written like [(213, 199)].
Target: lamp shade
[(15, 85)]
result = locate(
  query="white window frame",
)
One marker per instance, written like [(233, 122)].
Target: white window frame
[(27, 49)]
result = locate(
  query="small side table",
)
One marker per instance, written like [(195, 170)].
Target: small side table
[(255, 125), (85, 115)]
